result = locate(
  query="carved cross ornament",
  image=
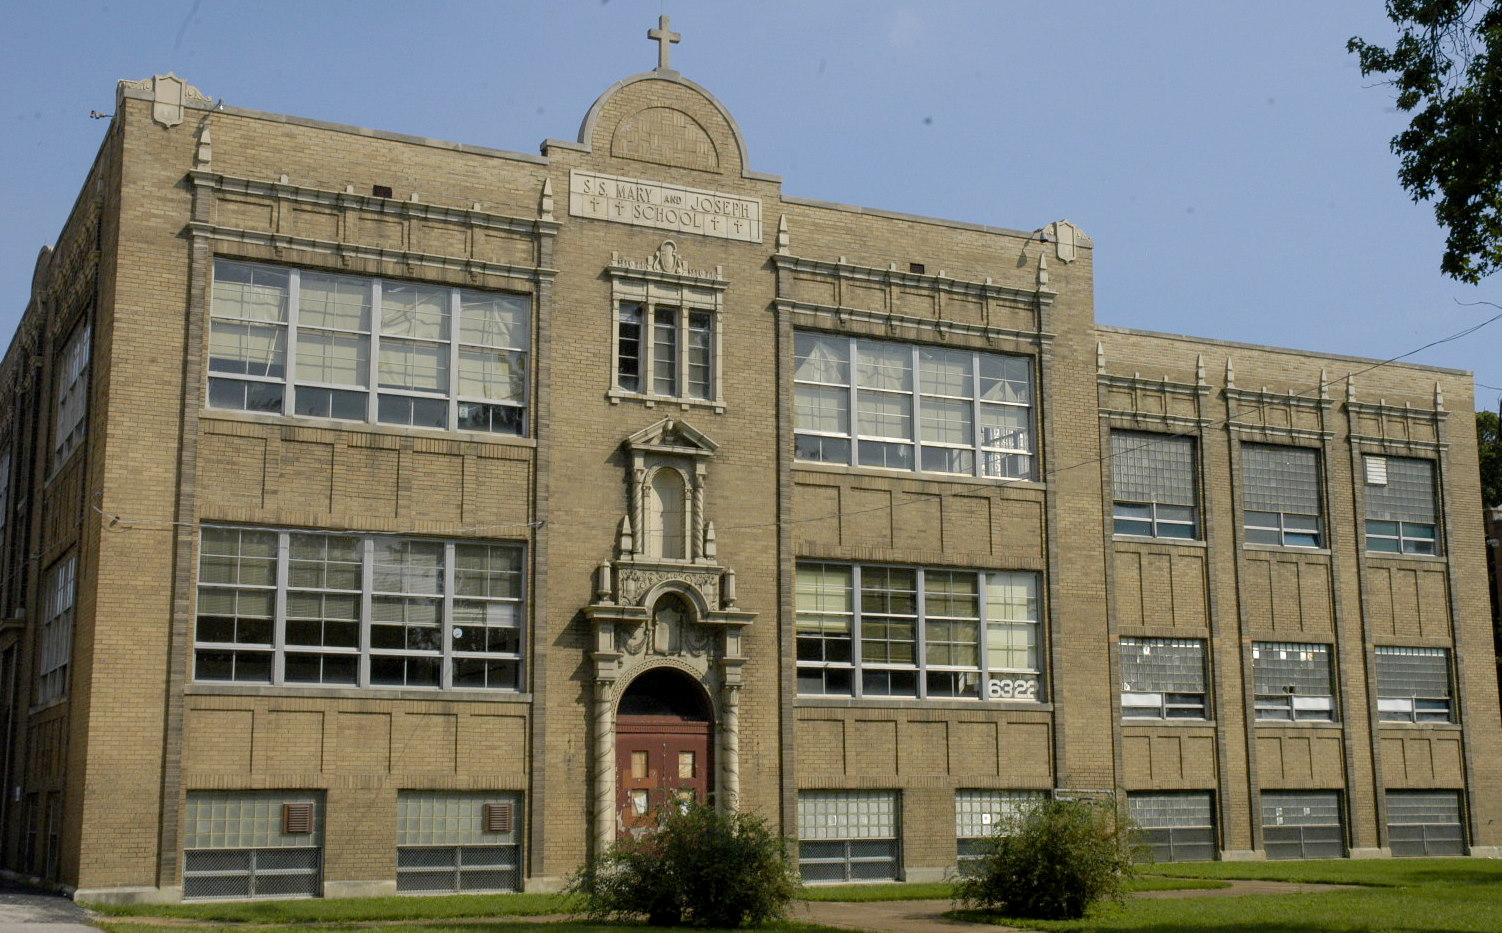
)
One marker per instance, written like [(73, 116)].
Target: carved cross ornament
[(665, 39)]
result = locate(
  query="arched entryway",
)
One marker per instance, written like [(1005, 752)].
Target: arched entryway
[(663, 745)]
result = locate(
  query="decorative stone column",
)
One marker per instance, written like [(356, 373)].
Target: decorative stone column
[(730, 747), (604, 777)]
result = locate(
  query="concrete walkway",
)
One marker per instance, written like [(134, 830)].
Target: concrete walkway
[(27, 910)]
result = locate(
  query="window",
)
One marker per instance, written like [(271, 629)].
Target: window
[(239, 844), (1177, 827), (980, 814), (848, 835), (934, 409), (451, 841), (1162, 678), (1400, 512), (1292, 681), (1424, 823), (1282, 495), (71, 394), (295, 607), (57, 631), (1413, 684), (1302, 824), (4, 494), (319, 345), (1152, 477), (666, 345), (920, 632)]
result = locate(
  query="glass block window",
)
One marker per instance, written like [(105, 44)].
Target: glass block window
[(1401, 517), (1302, 824), (980, 814), (1282, 489), (235, 846), (57, 631), (904, 407), (1413, 684), (849, 835), (296, 607), (356, 348), (1163, 678), (1178, 827), (1153, 484), (1425, 823), (869, 630), (71, 394), (443, 844), (1292, 681)]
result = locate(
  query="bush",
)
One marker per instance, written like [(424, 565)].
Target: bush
[(700, 866), (1052, 862)]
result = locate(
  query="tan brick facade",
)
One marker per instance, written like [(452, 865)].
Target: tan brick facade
[(658, 492)]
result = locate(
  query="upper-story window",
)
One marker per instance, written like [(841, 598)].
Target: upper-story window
[(320, 345), (1152, 478), (71, 392), (904, 407), (57, 631), (1282, 495), (1413, 685), (871, 630), (1293, 681), (1163, 678), (665, 350), (1400, 514)]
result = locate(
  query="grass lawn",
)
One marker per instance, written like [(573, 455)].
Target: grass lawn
[(1398, 896), (943, 890), (349, 910), (514, 926)]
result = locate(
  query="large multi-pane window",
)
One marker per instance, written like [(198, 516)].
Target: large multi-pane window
[(1175, 826), (1152, 478), (849, 835), (239, 844), (302, 607), (57, 631), (448, 841), (1302, 824), (905, 407), (1293, 681), (1413, 684), (872, 630), (1400, 514), (322, 345), (1163, 678), (1282, 495), (981, 814), (71, 394), (665, 350), (1425, 823)]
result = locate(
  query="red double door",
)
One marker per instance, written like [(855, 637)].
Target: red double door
[(659, 759)]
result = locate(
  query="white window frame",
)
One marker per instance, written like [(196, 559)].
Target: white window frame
[(998, 617), (451, 623), (71, 410), (56, 655), (685, 299), (462, 412), (989, 457)]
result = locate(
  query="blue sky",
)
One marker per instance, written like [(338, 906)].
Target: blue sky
[(1228, 158)]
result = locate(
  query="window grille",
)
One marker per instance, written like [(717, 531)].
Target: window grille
[(870, 630), (1177, 827), (450, 841), (1401, 517), (1282, 495), (242, 844), (1163, 678), (1413, 684), (1153, 479), (1425, 823), (1292, 681), (356, 348), (904, 407), (979, 815), (849, 835), (1302, 824)]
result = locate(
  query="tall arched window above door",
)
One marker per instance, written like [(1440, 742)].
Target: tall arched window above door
[(667, 515)]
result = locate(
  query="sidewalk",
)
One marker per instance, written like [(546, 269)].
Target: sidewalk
[(27, 910)]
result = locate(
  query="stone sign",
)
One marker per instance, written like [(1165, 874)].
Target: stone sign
[(665, 207)]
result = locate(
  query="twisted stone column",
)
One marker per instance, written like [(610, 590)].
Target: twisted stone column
[(730, 748), (604, 765)]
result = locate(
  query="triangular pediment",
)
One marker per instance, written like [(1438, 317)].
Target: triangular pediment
[(673, 436)]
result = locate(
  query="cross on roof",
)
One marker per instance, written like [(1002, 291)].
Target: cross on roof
[(664, 37)]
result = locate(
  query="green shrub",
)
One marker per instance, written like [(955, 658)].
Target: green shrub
[(700, 866), (1052, 862)]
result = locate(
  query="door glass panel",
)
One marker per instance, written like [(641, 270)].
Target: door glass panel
[(639, 802), (686, 764), (639, 766)]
